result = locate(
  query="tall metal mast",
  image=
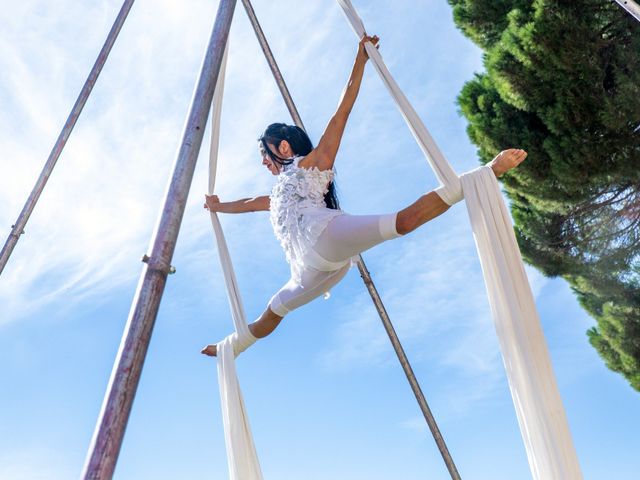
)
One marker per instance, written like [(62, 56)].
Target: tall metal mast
[(364, 273), (17, 228), (630, 6), (107, 439)]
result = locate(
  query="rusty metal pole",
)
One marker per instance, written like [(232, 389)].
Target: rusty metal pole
[(107, 439), (17, 228), (630, 6), (364, 273)]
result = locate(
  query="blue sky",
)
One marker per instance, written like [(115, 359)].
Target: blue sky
[(325, 394)]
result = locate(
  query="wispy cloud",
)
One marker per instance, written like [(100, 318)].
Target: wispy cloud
[(95, 217)]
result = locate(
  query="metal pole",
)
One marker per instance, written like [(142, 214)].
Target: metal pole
[(17, 229), (107, 439), (630, 6), (271, 60), (364, 273)]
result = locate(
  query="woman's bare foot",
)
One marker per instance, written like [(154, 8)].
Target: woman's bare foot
[(506, 160), (210, 350)]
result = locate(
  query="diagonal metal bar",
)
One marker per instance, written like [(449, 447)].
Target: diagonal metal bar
[(271, 60), (364, 272), (17, 228), (112, 422), (630, 6)]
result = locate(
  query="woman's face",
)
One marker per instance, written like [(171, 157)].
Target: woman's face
[(266, 159)]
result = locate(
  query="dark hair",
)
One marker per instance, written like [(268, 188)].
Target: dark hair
[(300, 144)]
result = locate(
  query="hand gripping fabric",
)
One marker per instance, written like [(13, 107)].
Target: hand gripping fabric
[(541, 416), (241, 453)]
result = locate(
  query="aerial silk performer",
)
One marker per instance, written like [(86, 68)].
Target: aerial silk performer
[(318, 238)]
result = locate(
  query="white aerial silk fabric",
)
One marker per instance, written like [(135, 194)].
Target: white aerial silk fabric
[(541, 415), (241, 453), (535, 394)]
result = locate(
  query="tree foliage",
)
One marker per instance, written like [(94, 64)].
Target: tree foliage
[(562, 81)]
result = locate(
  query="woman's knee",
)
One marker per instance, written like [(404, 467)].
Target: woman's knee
[(276, 307), (270, 315)]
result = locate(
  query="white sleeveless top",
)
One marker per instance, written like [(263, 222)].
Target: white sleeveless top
[(298, 212)]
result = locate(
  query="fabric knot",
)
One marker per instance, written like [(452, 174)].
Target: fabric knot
[(451, 193), (239, 342)]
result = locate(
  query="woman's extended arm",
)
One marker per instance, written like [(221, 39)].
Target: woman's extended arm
[(324, 154), (255, 204)]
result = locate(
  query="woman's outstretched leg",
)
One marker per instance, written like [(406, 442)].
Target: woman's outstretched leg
[(426, 208), (291, 296), (349, 235), (262, 327), (431, 205)]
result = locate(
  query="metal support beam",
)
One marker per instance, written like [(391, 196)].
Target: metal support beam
[(364, 273), (271, 60), (110, 428), (17, 228), (630, 6)]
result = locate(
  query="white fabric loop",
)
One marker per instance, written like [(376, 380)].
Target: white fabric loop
[(239, 343), (450, 194)]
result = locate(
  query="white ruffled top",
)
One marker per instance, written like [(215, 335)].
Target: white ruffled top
[(298, 212)]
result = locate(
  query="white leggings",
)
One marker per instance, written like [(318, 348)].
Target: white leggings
[(328, 263)]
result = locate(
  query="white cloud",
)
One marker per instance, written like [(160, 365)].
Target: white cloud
[(95, 217)]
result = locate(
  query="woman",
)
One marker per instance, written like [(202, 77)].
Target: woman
[(318, 238)]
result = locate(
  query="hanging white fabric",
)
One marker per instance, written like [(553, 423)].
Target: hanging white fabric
[(532, 382), (241, 453), (541, 415)]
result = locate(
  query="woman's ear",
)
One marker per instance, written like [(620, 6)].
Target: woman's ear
[(284, 149)]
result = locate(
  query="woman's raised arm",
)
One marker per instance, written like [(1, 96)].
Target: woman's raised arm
[(325, 153), (255, 204)]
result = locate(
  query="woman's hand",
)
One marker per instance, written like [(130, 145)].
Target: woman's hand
[(362, 53), (212, 203), (506, 160)]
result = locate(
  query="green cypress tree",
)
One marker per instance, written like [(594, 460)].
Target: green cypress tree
[(562, 81)]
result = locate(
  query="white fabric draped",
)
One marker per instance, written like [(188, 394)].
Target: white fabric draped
[(539, 409), (241, 453), (543, 423)]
